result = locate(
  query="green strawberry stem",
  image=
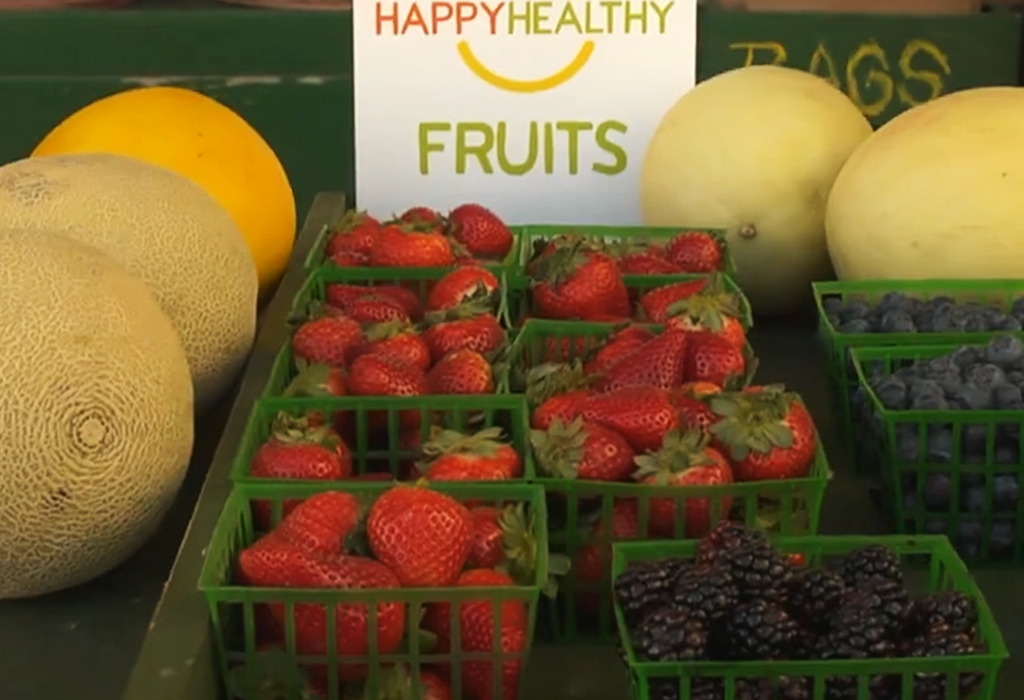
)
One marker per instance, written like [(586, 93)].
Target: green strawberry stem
[(547, 380), (471, 308), (484, 443), (387, 329), (752, 421), (559, 449), (679, 452)]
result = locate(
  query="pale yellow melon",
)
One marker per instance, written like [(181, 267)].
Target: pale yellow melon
[(754, 151), (938, 192), (163, 228), (96, 413)]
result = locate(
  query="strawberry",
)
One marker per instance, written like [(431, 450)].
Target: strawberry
[(620, 344), (656, 302), (503, 538), (657, 363), (395, 339), (641, 414), (767, 434), (411, 245), (318, 381), (545, 247), (461, 285), (560, 407), (712, 309), (647, 263), (325, 523), (592, 563), (476, 631), (348, 258), (484, 456), (371, 308), (298, 451), (685, 459), (557, 390), (353, 234), (424, 217), (581, 450), (691, 400), (272, 674), (326, 340), (480, 231), (342, 296), (469, 326), (562, 348), (422, 535), (574, 284), (695, 251), (461, 372), (713, 358), (384, 375)]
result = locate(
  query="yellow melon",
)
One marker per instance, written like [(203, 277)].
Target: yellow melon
[(754, 151), (95, 412), (200, 138), (161, 227), (935, 193)]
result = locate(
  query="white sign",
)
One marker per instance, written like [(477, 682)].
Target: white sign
[(540, 110)]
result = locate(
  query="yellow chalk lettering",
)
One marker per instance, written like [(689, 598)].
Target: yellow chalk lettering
[(879, 81), (777, 50), (821, 60), (933, 79)]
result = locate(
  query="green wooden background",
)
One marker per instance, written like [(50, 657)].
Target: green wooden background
[(290, 73)]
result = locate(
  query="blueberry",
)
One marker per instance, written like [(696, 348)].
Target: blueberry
[(1018, 306), (971, 531), (907, 446), (935, 526), (906, 374), (891, 392), (973, 500), (937, 489), (968, 479), (940, 300), (897, 321), (1006, 396), (971, 397), (929, 402), (923, 387), (974, 322), (984, 374), (940, 446), (945, 321), (1007, 452), (1011, 324), (856, 325), (1005, 492), (832, 305), (1015, 377), (854, 309), (1002, 539), (964, 356), (909, 502), (974, 438), (1004, 350), (943, 371)]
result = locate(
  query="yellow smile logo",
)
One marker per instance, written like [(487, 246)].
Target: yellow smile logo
[(501, 82)]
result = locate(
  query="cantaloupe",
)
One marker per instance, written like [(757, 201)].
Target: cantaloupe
[(161, 227), (203, 140), (755, 151), (938, 192), (96, 415)]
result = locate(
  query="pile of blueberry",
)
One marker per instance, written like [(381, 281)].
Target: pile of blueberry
[(895, 312)]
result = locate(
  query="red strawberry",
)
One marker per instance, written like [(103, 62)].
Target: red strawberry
[(398, 340), (348, 258), (713, 309), (422, 535), (476, 631), (573, 284), (353, 234), (318, 381), (713, 358), (646, 263), (557, 391), (695, 251), (686, 459), (461, 372), (484, 456), (297, 451), (480, 231), (342, 296), (383, 375), (620, 344), (424, 217), (691, 400), (656, 302), (469, 326), (376, 309), (767, 434), (545, 247), (411, 245), (461, 285), (323, 523), (592, 564), (641, 414), (562, 348), (503, 537), (560, 407), (658, 363), (581, 450), (326, 340)]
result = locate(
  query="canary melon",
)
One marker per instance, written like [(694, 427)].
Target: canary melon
[(935, 193), (95, 413), (201, 139), (161, 227), (754, 151)]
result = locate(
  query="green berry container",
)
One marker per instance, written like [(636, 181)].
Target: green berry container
[(386, 451), (534, 235), (255, 662), (931, 565), (933, 486), (998, 294), (316, 257)]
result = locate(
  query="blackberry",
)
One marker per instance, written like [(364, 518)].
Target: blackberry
[(942, 640), (759, 572), (871, 562), (707, 592), (726, 536), (885, 598), (759, 630), (837, 688), (663, 689), (807, 645), (953, 609), (671, 634), (645, 586), (743, 689), (813, 596), (859, 632)]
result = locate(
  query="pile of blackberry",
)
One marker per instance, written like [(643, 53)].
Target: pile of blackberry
[(742, 600)]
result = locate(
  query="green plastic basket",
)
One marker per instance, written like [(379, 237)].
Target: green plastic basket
[(943, 571), (384, 451), (315, 257), (530, 234), (236, 611), (582, 611), (543, 340), (982, 522), (996, 293), (520, 300), (417, 279)]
